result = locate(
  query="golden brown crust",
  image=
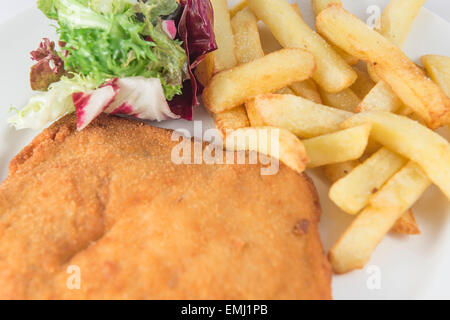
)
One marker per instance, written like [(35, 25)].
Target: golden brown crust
[(406, 224), (109, 200), (55, 133)]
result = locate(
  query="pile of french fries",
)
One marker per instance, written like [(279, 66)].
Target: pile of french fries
[(371, 126)]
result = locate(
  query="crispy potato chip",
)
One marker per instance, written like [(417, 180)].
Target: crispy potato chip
[(411, 140), (285, 90), (438, 67), (246, 36), (355, 246), (406, 224), (238, 7), (333, 74), (274, 142), (231, 120), (224, 57), (337, 147), (318, 6), (248, 48), (307, 89), (397, 19), (403, 189), (302, 117), (270, 73), (345, 100), (352, 192), (395, 23), (380, 98), (337, 171), (391, 64), (205, 70)]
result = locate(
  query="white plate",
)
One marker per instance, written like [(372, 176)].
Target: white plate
[(409, 267)]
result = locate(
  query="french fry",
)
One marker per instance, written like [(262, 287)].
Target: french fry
[(406, 224), (248, 48), (231, 120), (405, 111), (238, 7), (302, 117), (362, 85), (352, 192), (391, 64), (396, 22), (333, 74), (372, 73), (277, 70), (247, 39), (406, 186), (274, 142), (345, 100), (351, 60), (256, 118), (380, 98), (319, 5), (254, 112), (246, 36), (224, 57), (355, 246), (285, 90), (268, 41), (397, 19), (205, 70), (411, 140), (438, 67), (307, 89), (337, 147), (337, 171)]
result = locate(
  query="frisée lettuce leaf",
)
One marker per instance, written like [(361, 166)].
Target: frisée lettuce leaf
[(105, 39), (46, 107), (135, 57)]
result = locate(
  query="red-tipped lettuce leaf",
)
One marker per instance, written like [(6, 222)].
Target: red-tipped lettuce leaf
[(89, 105), (196, 30), (49, 67), (139, 97)]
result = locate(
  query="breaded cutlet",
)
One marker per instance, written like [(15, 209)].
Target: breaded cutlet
[(110, 202)]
